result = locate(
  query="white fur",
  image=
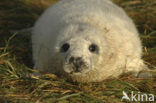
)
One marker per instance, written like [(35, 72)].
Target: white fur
[(82, 22)]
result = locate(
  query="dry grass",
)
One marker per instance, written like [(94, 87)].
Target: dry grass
[(16, 84)]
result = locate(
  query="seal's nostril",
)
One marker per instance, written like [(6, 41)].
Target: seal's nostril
[(71, 59)]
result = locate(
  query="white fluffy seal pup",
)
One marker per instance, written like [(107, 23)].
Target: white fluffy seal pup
[(86, 40)]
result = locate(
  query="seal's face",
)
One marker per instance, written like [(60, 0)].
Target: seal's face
[(80, 51), (79, 56)]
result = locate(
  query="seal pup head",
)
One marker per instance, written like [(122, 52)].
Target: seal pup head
[(80, 48)]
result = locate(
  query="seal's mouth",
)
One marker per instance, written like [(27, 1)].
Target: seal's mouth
[(80, 71), (76, 70)]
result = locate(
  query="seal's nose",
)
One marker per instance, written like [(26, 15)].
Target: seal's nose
[(71, 60), (77, 62)]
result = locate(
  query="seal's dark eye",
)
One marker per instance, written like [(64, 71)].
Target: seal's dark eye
[(93, 48), (65, 47)]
